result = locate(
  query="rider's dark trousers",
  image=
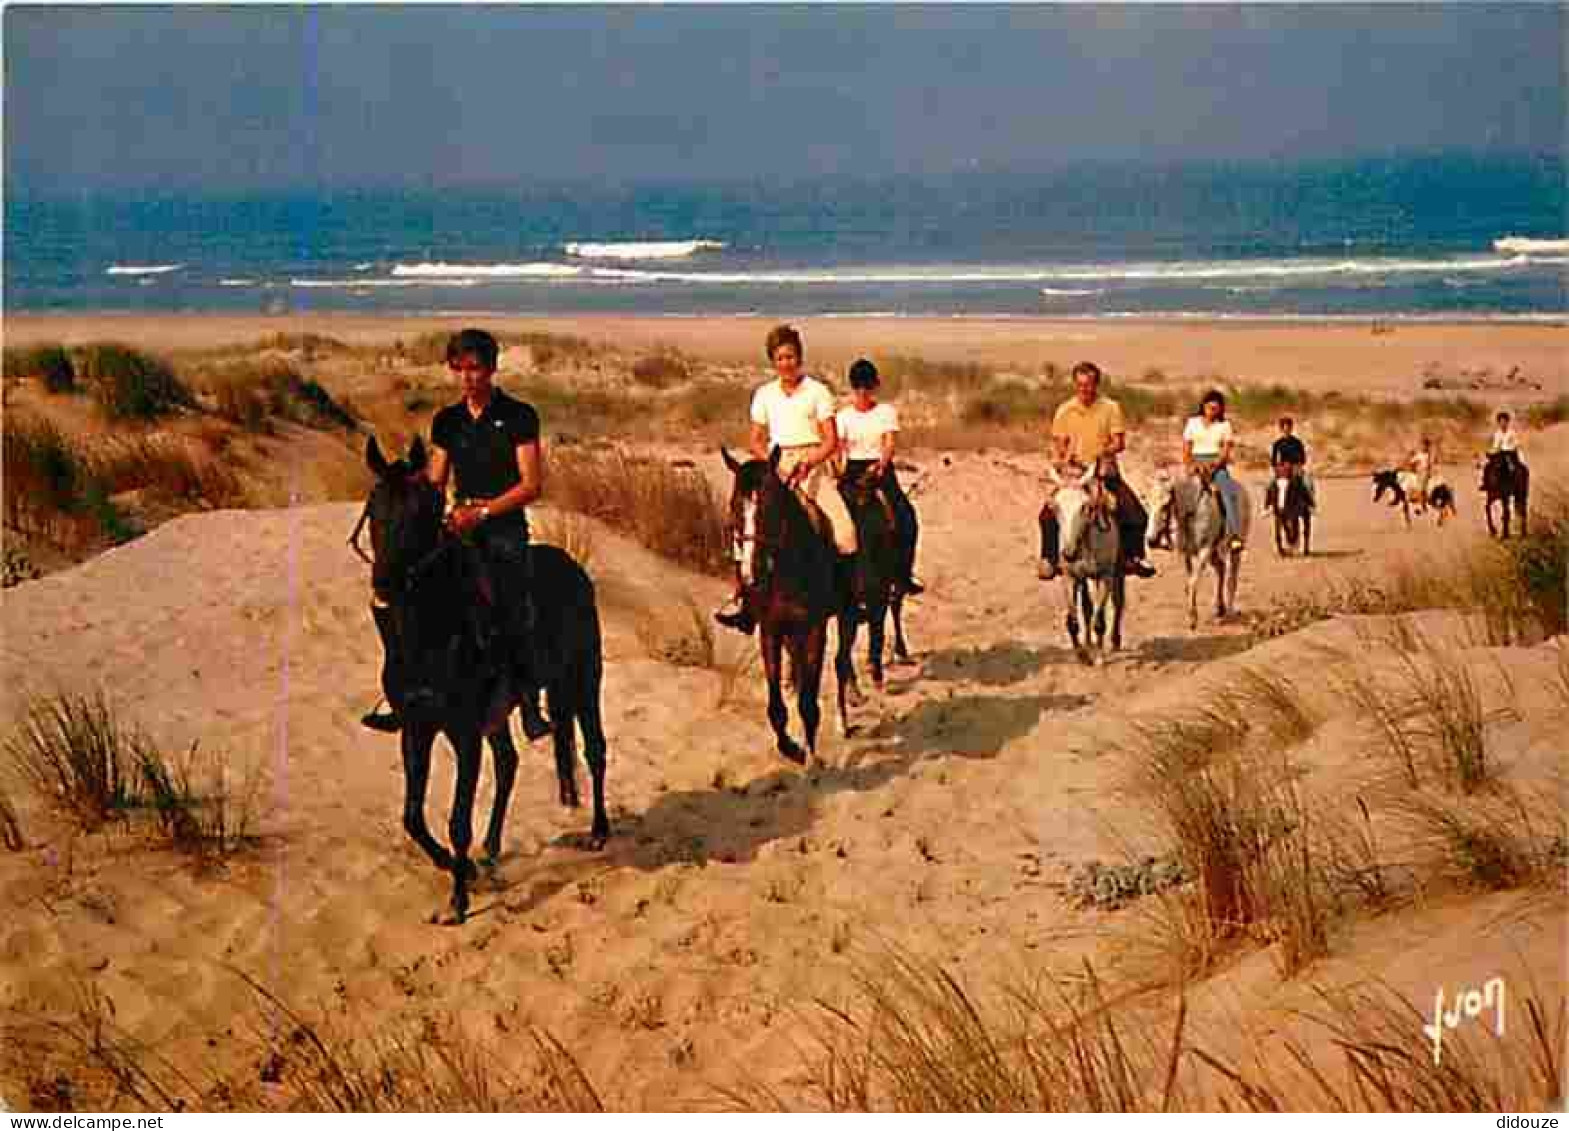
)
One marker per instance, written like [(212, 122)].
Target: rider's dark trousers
[(906, 527), (505, 561)]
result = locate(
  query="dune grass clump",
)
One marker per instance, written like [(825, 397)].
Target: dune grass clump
[(49, 364), (685, 640), (568, 530), (169, 469), (76, 757), (709, 407), (50, 489), (82, 1058), (672, 511), (1007, 405), (1548, 413), (915, 1036), (130, 385), (81, 760), (10, 825), (1430, 714), (662, 370), (1223, 791)]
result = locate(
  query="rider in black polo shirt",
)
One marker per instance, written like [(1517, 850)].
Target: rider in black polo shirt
[(489, 443), (1288, 457)]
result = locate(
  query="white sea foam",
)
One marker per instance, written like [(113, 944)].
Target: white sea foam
[(648, 249), (236, 282), (1175, 272), (1522, 245), (362, 284), (141, 269), (485, 270), (1071, 292)]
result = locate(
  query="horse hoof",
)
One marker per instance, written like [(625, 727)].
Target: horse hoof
[(793, 753)]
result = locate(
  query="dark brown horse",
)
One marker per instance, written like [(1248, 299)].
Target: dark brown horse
[(880, 563), (793, 587), (1293, 514), (1506, 481), (427, 579)]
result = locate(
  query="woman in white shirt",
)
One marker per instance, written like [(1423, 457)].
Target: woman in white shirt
[(868, 432), (795, 413), (1208, 440), (1506, 439)]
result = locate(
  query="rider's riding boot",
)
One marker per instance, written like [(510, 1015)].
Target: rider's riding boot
[(1051, 537), (1138, 567), (527, 668), (735, 614), (388, 721)]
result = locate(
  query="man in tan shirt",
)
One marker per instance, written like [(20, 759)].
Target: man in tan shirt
[(1084, 428)]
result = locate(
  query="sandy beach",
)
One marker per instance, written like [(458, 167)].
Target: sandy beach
[(691, 955), (1383, 357)]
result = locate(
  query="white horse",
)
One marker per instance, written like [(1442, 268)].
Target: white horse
[(1192, 505), (1092, 570)]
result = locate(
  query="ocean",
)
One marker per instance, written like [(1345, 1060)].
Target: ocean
[(1419, 238)]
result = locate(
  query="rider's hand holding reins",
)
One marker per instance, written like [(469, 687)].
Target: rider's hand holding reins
[(464, 519)]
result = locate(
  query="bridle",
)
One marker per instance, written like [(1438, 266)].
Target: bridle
[(413, 574), (751, 544)]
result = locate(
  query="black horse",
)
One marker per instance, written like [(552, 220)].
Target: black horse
[(793, 586), (1293, 514), (1507, 481), (882, 562), (427, 579)]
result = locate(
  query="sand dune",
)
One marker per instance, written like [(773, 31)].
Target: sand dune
[(736, 888)]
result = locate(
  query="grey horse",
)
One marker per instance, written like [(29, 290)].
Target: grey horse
[(1192, 505), (1092, 568)]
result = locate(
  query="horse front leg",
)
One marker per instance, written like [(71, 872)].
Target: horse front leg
[(505, 757), (844, 656), (876, 636), (1119, 601), (595, 754), (1307, 533), (1233, 575), (1492, 530), (418, 739), (901, 654), (808, 654), (460, 828), (1195, 578), (1096, 617), (1220, 584), (778, 716), (564, 747), (1070, 597)]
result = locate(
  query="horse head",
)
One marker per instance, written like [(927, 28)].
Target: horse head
[(1497, 474), (1386, 480), (1078, 502), (756, 506), (404, 513)]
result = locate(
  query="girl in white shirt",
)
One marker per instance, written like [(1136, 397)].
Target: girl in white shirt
[(868, 432), (795, 413), (1208, 439)]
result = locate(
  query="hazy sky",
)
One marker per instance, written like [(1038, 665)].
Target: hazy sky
[(284, 97)]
